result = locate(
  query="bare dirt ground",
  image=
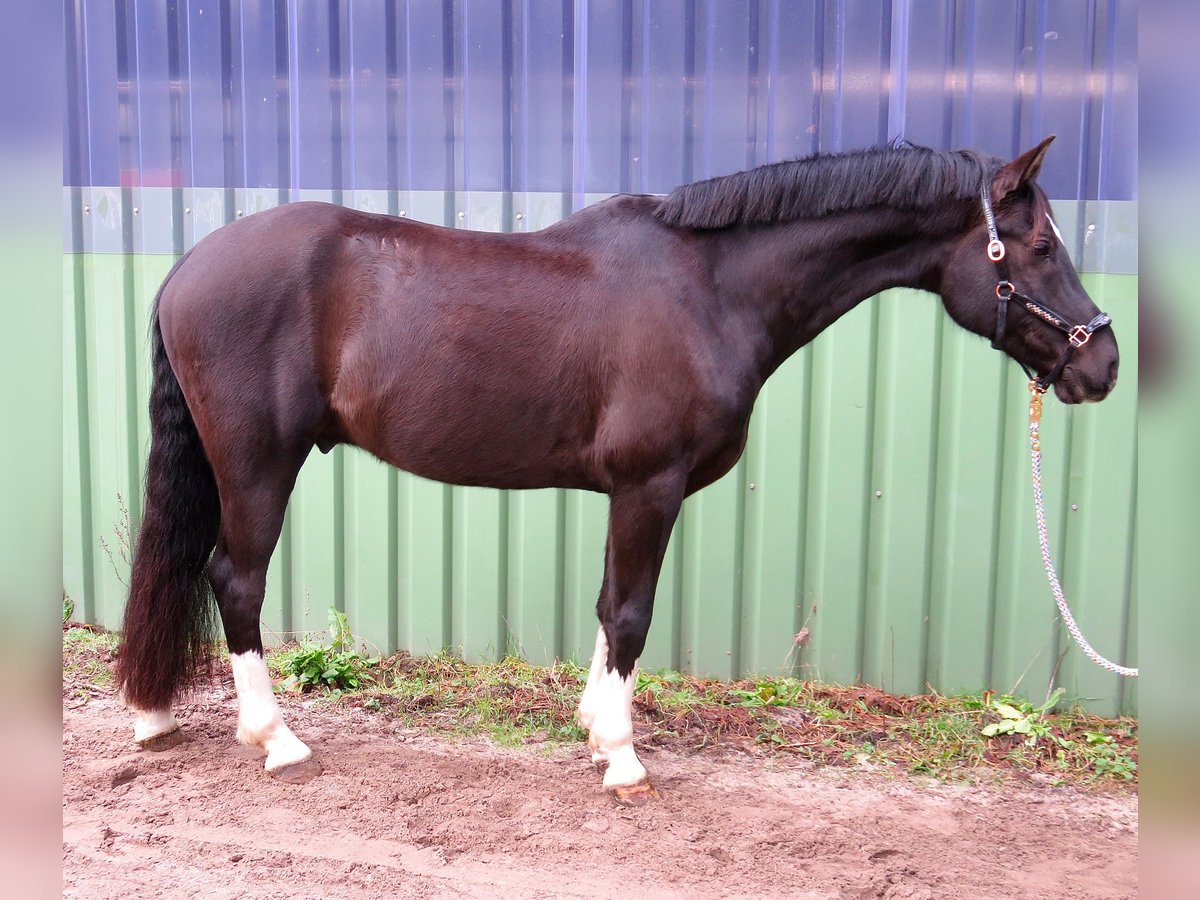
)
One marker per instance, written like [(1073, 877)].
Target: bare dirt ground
[(403, 813)]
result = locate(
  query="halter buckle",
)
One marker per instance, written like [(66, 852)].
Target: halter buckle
[(995, 250), (1079, 335), (1004, 290)]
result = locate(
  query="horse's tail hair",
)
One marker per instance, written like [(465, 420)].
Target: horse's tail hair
[(169, 618)]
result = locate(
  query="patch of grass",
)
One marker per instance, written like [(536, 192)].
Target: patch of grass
[(511, 700), (962, 738), (949, 738), (87, 660)]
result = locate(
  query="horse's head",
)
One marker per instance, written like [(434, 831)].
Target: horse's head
[(1017, 286)]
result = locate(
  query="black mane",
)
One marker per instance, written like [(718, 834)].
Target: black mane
[(900, 175)]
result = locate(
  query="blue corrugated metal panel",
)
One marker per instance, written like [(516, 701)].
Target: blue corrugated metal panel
[(480, 95), (507, 115)]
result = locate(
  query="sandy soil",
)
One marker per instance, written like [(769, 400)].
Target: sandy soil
[(400, 813)]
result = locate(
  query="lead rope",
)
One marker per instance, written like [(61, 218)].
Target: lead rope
[(1039, 506)]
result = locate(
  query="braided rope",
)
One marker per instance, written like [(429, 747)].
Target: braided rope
[(1035, 450)]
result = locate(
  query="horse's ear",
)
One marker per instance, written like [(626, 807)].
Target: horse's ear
[(1021, 170)]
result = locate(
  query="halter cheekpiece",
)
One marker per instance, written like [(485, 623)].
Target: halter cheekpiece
[(1077, 335)]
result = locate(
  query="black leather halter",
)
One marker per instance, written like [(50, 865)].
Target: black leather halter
[(1077, 335)]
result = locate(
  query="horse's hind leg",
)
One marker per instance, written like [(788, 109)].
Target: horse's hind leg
[(640, 522), (252, 508)]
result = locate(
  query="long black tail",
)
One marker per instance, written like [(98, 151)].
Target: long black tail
[(170, 616)]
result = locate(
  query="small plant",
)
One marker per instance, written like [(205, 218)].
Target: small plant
[(771, 733), (68, 608), (1109, 759), (770, 693), (335, 664), (1021, 717), (126, 538)]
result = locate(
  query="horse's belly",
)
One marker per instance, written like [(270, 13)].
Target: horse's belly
[(454, 462), (471, 441)]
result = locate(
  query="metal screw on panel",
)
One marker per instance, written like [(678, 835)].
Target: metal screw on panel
[(187, 210), (750, 485), (1075, 506), (462, 215), (520, 216), (879, 493), (87, 207), (403, 213), (240, 213), (136, 210)]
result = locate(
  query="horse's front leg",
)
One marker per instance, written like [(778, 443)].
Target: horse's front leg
[(641, 517)]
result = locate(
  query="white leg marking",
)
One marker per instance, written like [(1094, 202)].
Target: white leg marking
[(611, 736), (589, 699), (260, 723), (153, 723)]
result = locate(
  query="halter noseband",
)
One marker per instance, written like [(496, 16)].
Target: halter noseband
[(1077, 335)]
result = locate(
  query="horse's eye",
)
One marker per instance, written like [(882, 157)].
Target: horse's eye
[(1042, 248)]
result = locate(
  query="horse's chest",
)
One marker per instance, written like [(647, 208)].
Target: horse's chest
[(718, 461)]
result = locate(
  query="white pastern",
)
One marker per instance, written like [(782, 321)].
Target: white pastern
[(260, 723), (611, 736), (589, 698), (153, 723)]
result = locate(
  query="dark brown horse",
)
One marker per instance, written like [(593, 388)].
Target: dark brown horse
[(620, 350)]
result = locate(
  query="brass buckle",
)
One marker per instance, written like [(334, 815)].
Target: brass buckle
[(1035, 401), (1079, 336), (995, 250)]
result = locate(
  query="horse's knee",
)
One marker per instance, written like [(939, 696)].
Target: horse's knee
[(626, 630)]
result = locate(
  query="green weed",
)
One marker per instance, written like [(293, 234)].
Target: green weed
[(335, 664), (1022, 717)]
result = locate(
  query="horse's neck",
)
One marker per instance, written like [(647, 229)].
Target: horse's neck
[(793, 280)]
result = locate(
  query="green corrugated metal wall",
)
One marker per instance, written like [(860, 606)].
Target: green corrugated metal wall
[(885, 486), (890, 489)]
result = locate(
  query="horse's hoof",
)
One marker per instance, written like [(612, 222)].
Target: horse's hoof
[(634, 794), (164, 741), (298, 772)]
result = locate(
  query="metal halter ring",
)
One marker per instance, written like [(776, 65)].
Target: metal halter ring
[(1079, 335), (995, 249), (1004, 289)]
